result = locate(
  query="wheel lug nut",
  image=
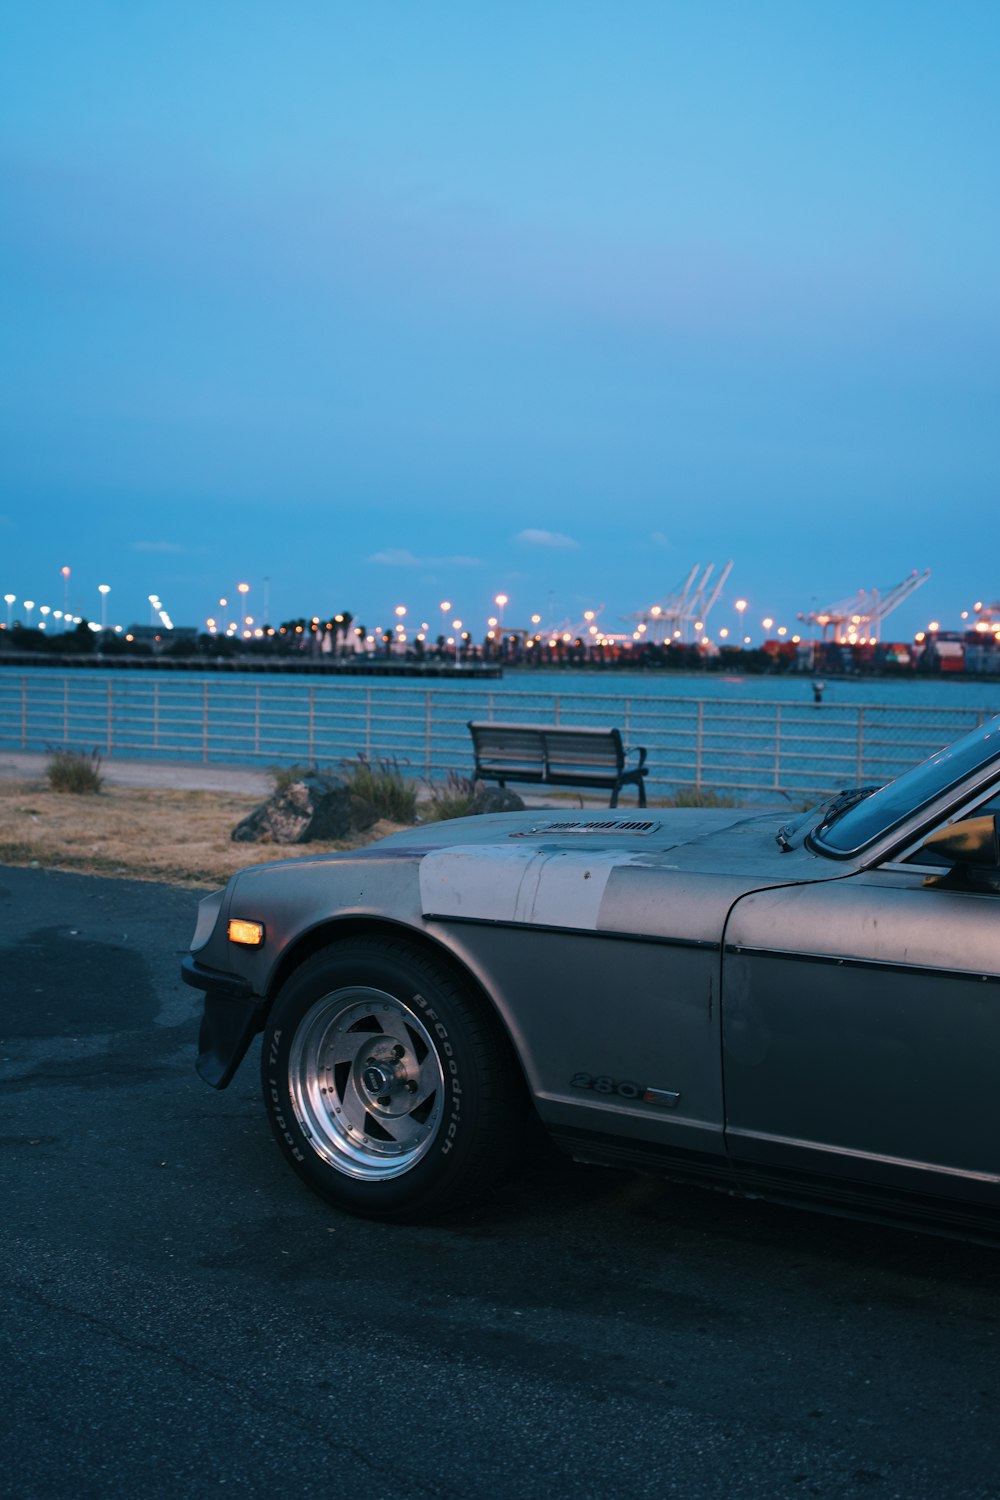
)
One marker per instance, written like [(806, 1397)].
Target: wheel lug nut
[(384, 1100), (411, 1087), (398, 1052)]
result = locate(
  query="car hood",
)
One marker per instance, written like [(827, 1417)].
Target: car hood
[(666, 872), (645, 832), (671, 873)]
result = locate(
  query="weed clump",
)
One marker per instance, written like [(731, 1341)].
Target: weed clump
[(451, 798), (286, 776), (698, 796), (75, 771), (382, 784)]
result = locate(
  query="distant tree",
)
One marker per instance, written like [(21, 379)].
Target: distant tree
[(82, 640)]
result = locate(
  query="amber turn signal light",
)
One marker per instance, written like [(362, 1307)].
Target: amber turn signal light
[(248, 934)]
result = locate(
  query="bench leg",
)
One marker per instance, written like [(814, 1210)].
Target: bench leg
[(641, 785)]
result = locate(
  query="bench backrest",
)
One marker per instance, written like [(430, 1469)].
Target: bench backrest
[(579, 748), (509, 745), (546, 745)]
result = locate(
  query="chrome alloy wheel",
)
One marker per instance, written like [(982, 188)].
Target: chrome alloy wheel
[(366, 1083)]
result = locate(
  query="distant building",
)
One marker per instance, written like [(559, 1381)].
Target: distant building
[(157, 636)]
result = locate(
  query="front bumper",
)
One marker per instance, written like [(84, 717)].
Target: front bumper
[(232, 1017)]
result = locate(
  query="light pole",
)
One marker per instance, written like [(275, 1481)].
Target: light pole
[(104, 590), (29, 605), (445, 607), (500, 601), (8, 599), (44, 610), (65, 578), (244, 589), (458, 642), (400, 613)]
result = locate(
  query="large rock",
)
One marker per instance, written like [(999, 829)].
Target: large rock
[(495, 799), (317, 806)]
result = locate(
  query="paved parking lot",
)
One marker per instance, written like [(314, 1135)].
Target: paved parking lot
[(181, 1316)]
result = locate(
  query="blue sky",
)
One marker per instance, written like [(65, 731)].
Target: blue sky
[(396, 303)]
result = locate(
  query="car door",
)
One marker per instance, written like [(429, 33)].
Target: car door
[(861, 1036)]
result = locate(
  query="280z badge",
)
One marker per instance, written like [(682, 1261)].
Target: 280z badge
[(624, 1088)]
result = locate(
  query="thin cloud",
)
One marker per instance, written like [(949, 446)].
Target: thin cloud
[(157, 547), (554, 539), (659, 539), (400, 557), (396, 557)]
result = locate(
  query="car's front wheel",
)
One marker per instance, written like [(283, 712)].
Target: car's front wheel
[(389, 1086)]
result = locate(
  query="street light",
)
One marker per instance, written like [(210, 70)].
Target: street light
[(457, 624), (8, 599), (244, 589), (65, 578), (500, 601), (104, 590), (29, 605)]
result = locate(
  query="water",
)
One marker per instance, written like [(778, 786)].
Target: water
[(882, 692), (752, 733)]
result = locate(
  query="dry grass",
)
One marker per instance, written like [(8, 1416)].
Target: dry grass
[(140, 834)]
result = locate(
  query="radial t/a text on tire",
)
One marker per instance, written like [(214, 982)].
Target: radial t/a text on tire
[(389, 1085)]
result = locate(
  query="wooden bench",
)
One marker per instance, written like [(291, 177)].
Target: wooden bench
[(553, 755)]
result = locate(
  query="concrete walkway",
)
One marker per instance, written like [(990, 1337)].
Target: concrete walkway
[(185, 775), (193, 776)]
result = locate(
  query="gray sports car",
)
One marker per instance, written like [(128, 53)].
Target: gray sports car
[(808, 1012)]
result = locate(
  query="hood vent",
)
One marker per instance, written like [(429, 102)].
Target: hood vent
[(631, 826)]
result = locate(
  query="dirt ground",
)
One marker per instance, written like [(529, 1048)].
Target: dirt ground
[(139, 833)]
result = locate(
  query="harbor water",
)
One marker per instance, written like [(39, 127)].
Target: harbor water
[(788, 735)]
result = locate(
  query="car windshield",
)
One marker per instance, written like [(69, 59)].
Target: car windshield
[(849, 828)]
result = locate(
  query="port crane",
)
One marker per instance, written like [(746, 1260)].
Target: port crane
[(586, 629), (860, 618), (688, 605)]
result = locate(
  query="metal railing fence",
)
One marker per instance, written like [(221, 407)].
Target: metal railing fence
[(744, 747)]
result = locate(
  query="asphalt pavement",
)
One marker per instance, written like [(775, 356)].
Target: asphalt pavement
[(182, 1318)]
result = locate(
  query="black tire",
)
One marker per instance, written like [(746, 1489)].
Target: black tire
[(391, 1090)]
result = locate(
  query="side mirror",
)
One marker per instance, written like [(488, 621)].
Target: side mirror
[(974, 841)]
